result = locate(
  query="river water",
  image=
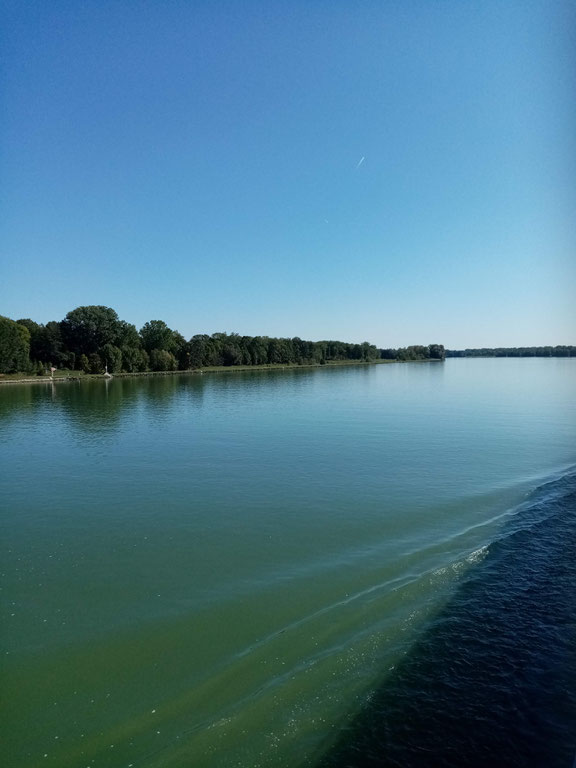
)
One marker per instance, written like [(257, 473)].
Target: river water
[(347, 566)]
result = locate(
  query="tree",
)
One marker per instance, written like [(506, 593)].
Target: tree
[(46, 344), (155, 334), (369, 351), (134, 359), (274, 351), (214, 352), (181, 351), (258, 349), (14, 346), (127, 336), (437, 352), (129, 343), (85, 330), (231, 354), (197, 349), (57, 353), (36, 338), (95, 363), (142, 361), (162, 360), (111, 356)]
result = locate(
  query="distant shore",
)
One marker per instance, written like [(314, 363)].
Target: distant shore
[(59, 376)]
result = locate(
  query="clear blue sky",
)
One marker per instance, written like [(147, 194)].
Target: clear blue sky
[(401, 172)]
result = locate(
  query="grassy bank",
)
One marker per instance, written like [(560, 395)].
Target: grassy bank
[(71, 375)]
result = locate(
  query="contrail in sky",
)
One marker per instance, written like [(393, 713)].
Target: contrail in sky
[(360, 163)]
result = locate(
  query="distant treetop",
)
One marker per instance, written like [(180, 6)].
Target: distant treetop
[(558, 351)]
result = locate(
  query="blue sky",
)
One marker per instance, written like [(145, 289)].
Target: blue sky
[(400, 172)]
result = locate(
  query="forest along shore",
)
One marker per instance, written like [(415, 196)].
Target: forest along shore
[(93, 340)]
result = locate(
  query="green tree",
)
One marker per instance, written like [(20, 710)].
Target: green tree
[(143, 360), (95, 363), (181, 351), (36, 337), (134, 359), (85, 330), (437, 352), (369, 351), (197, 349), (111, 356), (258, 349), (14, 346), (162, 360), (215, 349), (58, 353), (155, 334), (231, 354), (47, 345), (274, 351), (127, 335)]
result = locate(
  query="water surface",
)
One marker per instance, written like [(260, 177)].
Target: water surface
[(224, 570)]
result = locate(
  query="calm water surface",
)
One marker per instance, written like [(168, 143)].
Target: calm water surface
[(231, 569)]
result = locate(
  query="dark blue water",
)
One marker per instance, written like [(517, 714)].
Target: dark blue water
[(493, 680)]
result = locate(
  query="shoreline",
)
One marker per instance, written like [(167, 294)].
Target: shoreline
[(79, 376)]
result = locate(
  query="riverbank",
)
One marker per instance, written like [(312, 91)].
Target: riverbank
[(70, 375)]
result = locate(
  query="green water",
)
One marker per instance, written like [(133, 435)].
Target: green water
[(219, 570)]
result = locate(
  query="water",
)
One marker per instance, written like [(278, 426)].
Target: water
[(493, 679), (243, 569)]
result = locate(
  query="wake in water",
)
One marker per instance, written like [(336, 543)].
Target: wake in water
[(493, 682)]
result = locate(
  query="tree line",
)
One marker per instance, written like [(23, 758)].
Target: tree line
[(93, 339), (413, 353), (558, 351)]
